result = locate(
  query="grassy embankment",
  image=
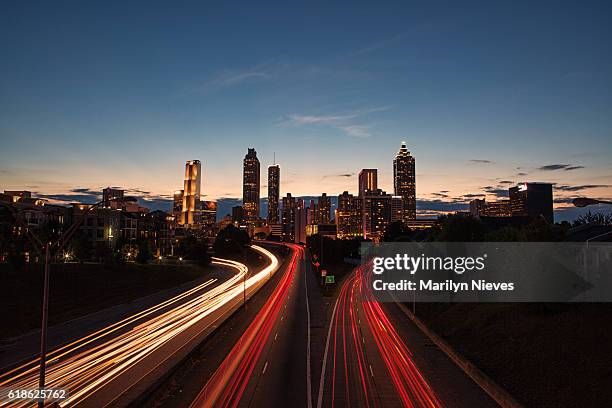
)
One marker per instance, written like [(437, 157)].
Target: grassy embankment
[(77, 290)]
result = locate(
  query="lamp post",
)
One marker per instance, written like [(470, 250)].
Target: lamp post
[(46, 250)]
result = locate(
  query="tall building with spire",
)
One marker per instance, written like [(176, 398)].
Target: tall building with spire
[(190, 210), (273, 193), (250, 187), (404, 181)]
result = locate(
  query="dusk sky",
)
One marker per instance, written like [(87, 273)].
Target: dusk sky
[(96, 94)]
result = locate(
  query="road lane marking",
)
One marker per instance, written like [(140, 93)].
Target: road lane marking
[(322, 379), (265, 367), (308, 374)]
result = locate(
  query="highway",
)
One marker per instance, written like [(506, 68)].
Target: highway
[(375, 357), (269, 364), (114, 365)]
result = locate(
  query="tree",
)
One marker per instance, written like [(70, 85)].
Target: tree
[(460, 229), (597, 218), (505, 234), (194, 249), (144, 252), (397, 231), (81, 245), (330, 251), (230, 241)]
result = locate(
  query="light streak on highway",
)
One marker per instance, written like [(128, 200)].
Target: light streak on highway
[(357, 310), (227, 385), (86, 365)]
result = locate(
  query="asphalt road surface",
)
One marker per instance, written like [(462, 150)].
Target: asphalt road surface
[(376, 357)]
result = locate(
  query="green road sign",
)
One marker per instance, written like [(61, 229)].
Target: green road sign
[(330, 279)]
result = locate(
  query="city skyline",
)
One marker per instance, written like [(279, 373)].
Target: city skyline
[(426, 209), (483, 103)]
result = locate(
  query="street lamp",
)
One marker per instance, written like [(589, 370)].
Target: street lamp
[(46, 248), (584, 201)]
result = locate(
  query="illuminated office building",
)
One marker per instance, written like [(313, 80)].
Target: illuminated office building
[(368, 181), (404, 181), (312, 214), (532, 200), (397, 209), (377, 213), (177, 204), (300, 222), (288, 218), (190, 215), (324, 209), (273, 193), (349, 216), (250, 187)]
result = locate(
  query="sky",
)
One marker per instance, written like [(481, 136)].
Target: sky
[(486, 94)]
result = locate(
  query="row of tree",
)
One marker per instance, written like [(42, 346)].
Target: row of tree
[(454, 229)]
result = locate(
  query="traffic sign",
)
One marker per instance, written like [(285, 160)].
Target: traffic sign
[(330, 279), (323, 272), (316, 264)]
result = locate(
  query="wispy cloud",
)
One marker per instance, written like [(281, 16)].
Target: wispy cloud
[(579, 188), (356, 131), (231, 78), (341, 175), (480, 161), (553, 167), (380, 44), (496, 191), (268, 71), (340, 121)]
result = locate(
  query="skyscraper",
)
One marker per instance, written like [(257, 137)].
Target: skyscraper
[(273, 193), (368, 180), (404, 181), (313, 213), (250, 187), (377, 213), (397, 209), (349, 216), (191, 193), (177, 205), (288, 218), (532, 200), (300, 222), (324, 207)]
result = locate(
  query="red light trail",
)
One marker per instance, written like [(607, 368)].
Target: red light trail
[(226, 386), (356, 311)]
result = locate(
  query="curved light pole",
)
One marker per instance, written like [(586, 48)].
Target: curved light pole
[(46, 249)]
